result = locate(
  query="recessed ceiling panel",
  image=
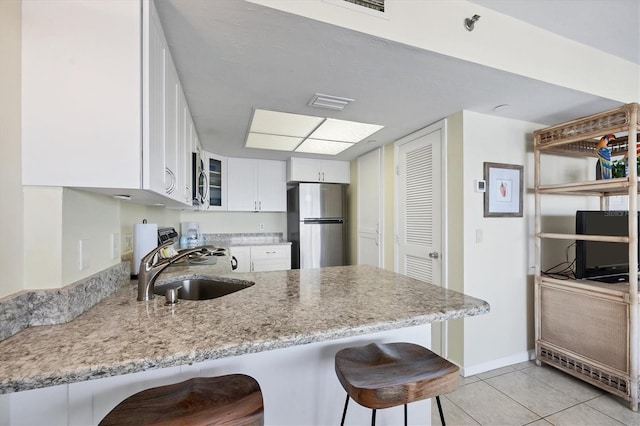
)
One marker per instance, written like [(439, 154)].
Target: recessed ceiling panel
[(283, 123), (319, 146), (276, 142), (344, 131)]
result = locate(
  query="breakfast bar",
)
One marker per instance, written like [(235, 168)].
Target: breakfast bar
[(285, 327)]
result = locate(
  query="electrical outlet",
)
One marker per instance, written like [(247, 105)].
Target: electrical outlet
[(261, 227), (83, 254), (115, 245)]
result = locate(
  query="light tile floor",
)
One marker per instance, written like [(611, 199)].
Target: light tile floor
[(525, 394)]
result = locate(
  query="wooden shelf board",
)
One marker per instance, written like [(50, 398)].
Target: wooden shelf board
[(584, 237), (597, 187)]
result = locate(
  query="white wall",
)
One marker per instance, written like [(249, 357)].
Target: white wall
[(92, 218), (499, 268), (495, 269), (236, 222), (498, 41), (55, 220), (131, 213), (11, 209)]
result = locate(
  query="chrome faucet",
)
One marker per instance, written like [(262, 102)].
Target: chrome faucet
[(151, 266)]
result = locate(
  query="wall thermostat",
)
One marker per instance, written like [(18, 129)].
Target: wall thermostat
[(480, 185)]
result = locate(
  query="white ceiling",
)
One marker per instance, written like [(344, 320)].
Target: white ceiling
[(612, 26), (233, 56)]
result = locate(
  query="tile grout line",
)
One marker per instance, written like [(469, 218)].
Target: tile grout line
[(517, 402), (461, 409), (556, 371), (540, 381), (602, 412)]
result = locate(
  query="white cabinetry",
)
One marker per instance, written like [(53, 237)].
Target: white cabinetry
[(153, 123), (262, 258), (242, 256), (185, 148), (216, 188), (311, 170), (171, 128), (270, 258), (256, 185), (98, 117)]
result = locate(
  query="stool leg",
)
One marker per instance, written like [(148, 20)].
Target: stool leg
[(440, 410), (344, 413), (373, 417), (405, 414)]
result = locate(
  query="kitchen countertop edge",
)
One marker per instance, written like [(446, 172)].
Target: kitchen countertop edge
[(78, 372)]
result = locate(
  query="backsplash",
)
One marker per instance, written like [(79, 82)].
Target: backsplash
[(230, 240), (30, 308)]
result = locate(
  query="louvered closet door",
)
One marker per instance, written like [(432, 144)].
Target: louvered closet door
[(420, 229)]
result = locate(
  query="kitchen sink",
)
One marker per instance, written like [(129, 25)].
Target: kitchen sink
[(202, 288)]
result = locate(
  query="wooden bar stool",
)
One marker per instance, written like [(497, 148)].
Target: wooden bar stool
[(229, 400), (387, 375)]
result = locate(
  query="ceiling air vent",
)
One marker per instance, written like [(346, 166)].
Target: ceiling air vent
[(371, 4), (329, 102)]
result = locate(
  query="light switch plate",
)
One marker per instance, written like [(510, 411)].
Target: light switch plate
[(83, 254), (115, 245), (479, 185)]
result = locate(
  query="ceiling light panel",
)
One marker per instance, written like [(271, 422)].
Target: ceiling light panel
[(283, 123), (344, 131), (275, 142), (320, 146)]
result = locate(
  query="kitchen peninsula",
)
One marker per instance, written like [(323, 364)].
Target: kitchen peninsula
[(284, 330)]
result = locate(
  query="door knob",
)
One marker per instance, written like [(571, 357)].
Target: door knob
[(434, 255)]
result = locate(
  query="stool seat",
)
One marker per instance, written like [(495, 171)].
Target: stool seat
[(229, 400), (392, 374)]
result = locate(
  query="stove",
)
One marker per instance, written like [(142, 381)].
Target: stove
[(166, 234)]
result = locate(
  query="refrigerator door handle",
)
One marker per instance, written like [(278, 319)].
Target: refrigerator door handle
[(312, 220)]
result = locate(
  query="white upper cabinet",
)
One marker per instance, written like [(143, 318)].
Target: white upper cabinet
[(104, 115), (256, 185), (311, 170), (171, 126), (272, 186), (216, 181), (241, 184), (153, 127), (188, 147)]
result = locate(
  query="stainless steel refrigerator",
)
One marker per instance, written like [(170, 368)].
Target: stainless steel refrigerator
[(315, 225)]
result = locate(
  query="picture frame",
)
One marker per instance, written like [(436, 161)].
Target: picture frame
[(504, 191)]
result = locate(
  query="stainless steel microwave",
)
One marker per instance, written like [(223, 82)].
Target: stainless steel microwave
[(199, 183)]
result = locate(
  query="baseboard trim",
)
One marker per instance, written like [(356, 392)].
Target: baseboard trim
[(472, 370)]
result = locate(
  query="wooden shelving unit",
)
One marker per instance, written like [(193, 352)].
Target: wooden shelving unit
[(588, 329)]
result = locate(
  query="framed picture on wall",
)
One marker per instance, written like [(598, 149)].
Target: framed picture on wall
[(503, 195)]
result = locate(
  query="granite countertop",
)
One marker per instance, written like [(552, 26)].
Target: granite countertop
[(283, 308)]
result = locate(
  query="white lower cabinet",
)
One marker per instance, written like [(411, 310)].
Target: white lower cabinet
[(270, 258), (262, 258), (242, 255), (309, 366)]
